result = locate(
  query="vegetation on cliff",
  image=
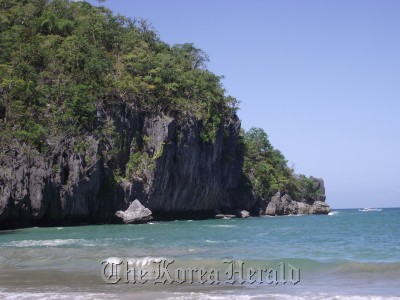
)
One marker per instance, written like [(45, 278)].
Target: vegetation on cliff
[(60, 59), (62, 63), (267, 171)]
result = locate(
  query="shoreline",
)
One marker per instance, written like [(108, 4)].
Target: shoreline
[(15, 225)]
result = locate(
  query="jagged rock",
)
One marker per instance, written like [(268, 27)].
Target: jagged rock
[(303, 208), (285, 205), (136, 213), (242, 214), (320, 207), (280, 205), (275, 206)]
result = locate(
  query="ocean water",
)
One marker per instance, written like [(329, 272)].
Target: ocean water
[(344, 255)]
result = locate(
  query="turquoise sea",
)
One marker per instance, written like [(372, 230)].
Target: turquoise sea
[(344, 255)]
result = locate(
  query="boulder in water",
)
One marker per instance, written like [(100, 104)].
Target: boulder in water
[(136, 213)]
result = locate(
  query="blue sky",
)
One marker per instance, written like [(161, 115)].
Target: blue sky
[(322, 78)]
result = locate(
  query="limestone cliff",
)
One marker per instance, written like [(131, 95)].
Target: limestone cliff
[(158, 159), (155, 158)]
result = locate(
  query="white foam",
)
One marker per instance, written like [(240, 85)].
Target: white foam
[(221, 241), (51, 295), (48, 243), (213, 242), (114, 260), (124, 239), (333, 213), (144, 261)]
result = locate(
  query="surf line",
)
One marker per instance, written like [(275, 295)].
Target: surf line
[(162, 271)]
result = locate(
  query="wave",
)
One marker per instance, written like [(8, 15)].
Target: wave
[(144, 261), (137, 261), (222, 226), (69, 242), (49, 243), (333, 213), (309, 266), (221, 241), (11, 295), (275, 296), (123, 239), (51, 295), (213, 242)]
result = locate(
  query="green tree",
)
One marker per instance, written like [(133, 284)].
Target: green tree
[(61, 59)]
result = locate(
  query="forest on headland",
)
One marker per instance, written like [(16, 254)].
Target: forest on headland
[(67, 67)]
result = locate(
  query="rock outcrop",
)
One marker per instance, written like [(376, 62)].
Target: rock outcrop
[(283, 204), (136, 213)]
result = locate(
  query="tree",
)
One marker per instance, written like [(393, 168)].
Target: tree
[(61, 59)]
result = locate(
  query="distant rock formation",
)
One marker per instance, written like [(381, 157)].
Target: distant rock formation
[(284, 205)]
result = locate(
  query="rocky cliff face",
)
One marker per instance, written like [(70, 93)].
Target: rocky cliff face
[(155, 158)]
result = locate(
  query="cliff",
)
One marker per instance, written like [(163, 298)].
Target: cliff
[(96, 112), (155, 158), (86, 179)]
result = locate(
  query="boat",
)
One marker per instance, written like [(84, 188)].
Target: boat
[(370, 209)]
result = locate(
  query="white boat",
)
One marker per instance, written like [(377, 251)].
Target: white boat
[(370, 209)]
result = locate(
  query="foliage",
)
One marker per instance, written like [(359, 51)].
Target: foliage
[(160, 151), (306, 188), (138, 165), (266, 169), (264, 165), (60, 59)]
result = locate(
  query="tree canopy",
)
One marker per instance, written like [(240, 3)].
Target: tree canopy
[(267, 169), (59, 59)]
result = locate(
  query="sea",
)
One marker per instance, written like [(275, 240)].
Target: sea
[(347, 254)]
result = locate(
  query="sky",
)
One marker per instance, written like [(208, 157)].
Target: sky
[(322, 78)]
